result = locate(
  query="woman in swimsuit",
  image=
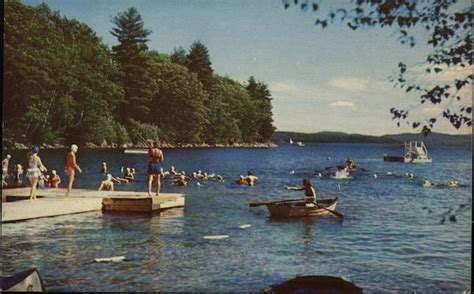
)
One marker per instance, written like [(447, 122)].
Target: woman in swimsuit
[(35, 167), (71, 167), (155, 157)]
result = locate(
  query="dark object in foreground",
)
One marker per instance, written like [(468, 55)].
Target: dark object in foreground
[(27, 281), (299, 209), (316, 284)]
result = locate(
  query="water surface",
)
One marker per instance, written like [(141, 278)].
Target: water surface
[(393, 237)]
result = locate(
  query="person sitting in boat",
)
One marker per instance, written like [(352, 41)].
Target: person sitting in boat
[(108, 184), (309, 192), (250, 178), (54, 180), (350, 164)]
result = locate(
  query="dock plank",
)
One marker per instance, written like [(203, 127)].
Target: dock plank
[(54, 202)]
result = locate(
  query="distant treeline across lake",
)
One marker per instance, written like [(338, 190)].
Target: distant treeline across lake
[(340, 137)]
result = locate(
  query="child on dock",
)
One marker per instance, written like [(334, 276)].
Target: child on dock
[(54, 180)]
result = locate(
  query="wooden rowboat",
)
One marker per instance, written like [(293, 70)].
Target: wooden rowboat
[(27, 281), (299, 209)]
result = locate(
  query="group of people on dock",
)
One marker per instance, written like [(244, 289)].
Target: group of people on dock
[(36, 172)]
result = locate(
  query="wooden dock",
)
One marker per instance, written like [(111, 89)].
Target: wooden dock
[(53, 202)]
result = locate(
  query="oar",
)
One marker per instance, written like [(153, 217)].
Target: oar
[(329, 167), (338, 214), (254, 204)]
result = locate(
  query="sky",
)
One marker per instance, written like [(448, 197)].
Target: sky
[(332, 79)]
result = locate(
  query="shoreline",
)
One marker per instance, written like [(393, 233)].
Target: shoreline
[(21, 146)]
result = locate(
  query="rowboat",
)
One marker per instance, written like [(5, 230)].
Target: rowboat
[(27, 281), (299, 209)]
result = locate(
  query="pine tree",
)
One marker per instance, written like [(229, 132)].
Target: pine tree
[(200, 64), (130, 54), (261, 97)]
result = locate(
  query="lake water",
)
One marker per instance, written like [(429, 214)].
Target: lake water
[(392, 238)]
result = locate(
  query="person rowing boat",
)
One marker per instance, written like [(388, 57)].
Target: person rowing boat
[(309, 192), (350, 164)]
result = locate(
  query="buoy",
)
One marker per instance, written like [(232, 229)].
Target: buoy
[(292, 172), (338, 187), (375, 176)]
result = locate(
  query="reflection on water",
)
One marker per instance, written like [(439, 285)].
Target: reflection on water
[(391, 238)]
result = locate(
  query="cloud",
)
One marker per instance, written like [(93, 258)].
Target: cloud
[(349, 83), (284, 87), (295, 91), (341, 103), (447, 74)]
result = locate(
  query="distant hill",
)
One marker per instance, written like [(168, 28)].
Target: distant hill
[(340, 137), (435, 139)]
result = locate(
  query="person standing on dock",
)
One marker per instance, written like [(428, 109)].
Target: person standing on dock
[(5, 163), (71, 166), (155, 158), (35, 167)]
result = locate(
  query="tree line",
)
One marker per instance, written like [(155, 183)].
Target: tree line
[(62, 84)]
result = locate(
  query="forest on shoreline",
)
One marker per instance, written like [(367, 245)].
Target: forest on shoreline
[(63, 85)]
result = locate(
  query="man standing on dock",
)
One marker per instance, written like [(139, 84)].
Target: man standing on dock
[(155, 157), (71, 166)]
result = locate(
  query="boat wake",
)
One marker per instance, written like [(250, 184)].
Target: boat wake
[(341, 175)]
